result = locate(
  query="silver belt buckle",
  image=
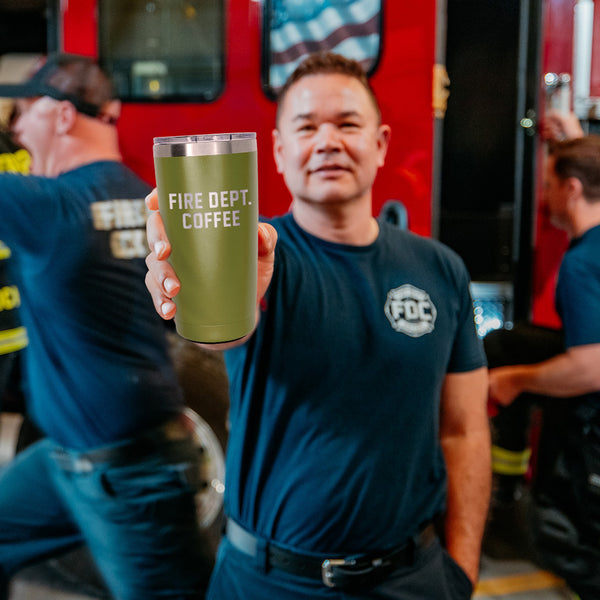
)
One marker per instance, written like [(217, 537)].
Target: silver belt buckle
[(327, 567)]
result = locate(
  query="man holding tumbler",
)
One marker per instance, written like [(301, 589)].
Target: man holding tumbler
[(358, 404), (117, 469)]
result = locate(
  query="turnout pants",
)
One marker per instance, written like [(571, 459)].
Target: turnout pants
[(524, 344)]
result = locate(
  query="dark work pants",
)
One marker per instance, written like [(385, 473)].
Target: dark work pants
[(138, 518)]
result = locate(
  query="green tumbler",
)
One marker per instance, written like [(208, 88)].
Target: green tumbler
[(208, 199)]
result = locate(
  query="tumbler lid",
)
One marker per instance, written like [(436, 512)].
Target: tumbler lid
[(205, 144)]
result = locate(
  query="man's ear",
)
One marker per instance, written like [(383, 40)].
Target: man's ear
[(277, 150), (111, 111), (574, 187), (66, 117), (383, 141)]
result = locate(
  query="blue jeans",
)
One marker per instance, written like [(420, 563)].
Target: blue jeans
[(138, 519), (434, 576)]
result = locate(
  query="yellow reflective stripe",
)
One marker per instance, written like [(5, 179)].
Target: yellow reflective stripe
[(510, 462), (515, 584), (4, 251), (12, 340)]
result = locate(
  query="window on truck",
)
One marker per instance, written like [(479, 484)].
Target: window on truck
[(166, 50), (295, 28)]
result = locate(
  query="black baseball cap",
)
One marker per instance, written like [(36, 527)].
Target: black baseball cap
[(78, 79)]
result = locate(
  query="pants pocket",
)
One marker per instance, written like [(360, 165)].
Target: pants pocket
[(459, 584)]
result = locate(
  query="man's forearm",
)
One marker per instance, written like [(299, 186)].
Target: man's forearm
[(570, 374), (469, 483), (465, 441)]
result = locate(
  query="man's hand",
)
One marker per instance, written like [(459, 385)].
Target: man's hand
[(560, 126), (161, 280), (504, 384)]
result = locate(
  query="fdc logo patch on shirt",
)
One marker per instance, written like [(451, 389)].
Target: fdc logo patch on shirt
[(410, 310)]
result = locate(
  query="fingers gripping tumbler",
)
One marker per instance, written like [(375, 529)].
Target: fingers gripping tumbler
[(208, 200)]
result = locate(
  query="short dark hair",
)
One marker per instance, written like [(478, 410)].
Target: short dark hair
[(579, 158), (325, 63)]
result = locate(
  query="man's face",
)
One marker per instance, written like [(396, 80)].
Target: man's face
[(555, 196), (35, 128), (328, 143)]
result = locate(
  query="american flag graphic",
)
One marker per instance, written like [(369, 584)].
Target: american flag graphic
[(299, 27)]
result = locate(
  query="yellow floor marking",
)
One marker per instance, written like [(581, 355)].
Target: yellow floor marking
[(511, 584)]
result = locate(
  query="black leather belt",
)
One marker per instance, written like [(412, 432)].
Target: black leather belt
[(136, 449), (350, 573)]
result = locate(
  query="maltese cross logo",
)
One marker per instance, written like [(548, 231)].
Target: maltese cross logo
[(410, 310)]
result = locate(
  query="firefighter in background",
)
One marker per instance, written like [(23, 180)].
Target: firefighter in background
[(558, 372), (13, 337), (511, 442)]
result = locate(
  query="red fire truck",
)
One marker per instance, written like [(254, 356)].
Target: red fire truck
[(199, 66), (469, 175)]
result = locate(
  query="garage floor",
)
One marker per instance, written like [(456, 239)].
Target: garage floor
[(500, 580)]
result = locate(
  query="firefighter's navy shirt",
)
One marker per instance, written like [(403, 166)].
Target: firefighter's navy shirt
[(578, 295), (335, 400), (97, 366)]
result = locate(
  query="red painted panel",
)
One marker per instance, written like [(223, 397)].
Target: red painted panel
[(551, 243), (557, 56), (595, 72), (404, 87), (79, 27)]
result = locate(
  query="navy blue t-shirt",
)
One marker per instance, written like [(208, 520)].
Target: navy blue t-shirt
[(97, 368), (335, 399), (578, 290), (578, 294)]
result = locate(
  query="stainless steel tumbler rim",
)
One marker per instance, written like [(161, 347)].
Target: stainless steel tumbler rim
[(203, 145)]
